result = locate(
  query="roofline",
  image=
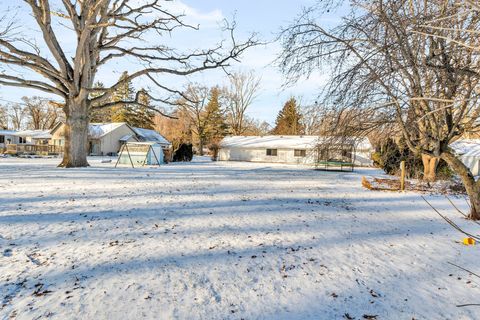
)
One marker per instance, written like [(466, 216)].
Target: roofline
[(103, 135), (56, 127)]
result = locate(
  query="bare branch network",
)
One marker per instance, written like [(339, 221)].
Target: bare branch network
[(106, 31)]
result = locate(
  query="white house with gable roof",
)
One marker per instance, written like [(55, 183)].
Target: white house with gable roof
[(107, 138)]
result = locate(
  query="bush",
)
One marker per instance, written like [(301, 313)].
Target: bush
[(392, 155), (184, 153)]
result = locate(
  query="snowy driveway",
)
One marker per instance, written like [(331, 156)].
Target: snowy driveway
[(224, 241)]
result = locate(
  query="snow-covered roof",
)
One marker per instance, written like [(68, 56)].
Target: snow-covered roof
[(467, 147), (251, 142), (287, 142), (126, 137), (7, 132), (98, 130), (147, 135), (34, 134), (144, 143)]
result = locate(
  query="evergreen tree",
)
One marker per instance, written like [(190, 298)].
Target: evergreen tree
[(100, 115), (289, 120), (214, 117), (142, 116), (126, 91)]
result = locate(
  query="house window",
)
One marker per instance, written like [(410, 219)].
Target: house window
[(2, 139), (272, 152), (22, 140), (300, 153)]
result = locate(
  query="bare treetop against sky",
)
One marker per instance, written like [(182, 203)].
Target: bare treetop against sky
[(264, 17)]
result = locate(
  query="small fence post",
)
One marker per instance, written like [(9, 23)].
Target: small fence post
[(402, 176)]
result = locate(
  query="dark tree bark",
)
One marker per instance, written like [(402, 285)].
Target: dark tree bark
[(471, 186), (76, 135)]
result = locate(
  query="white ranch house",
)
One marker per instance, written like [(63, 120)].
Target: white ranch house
[(284, 149)]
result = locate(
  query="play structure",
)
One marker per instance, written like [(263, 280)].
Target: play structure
[(335, 156), (140, 154)]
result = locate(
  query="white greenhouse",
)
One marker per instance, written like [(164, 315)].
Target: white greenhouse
[(141, 154)]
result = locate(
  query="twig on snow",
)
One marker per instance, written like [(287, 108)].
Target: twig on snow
[(472, 273), (461, 212), (450, 222), (468, 305)]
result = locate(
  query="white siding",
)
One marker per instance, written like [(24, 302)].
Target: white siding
[(260, 155), (283, 156), (110, 143)]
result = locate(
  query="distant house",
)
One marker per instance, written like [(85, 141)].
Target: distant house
[(29, 142), (7, 137), (33, 137), (468, 150), (107, 138), (284, 149)]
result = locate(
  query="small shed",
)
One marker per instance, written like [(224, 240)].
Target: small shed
[(141, 154)]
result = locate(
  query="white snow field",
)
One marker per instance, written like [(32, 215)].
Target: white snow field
[(207, 240)]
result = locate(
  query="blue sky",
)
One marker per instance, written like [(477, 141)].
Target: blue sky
[(264, 17)]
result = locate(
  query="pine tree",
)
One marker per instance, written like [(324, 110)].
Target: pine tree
[(143, 115), (214, 117), (100, 115), (289, 120), (126, 91)]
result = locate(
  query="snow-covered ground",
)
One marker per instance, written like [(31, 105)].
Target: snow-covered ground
[(208, 240)]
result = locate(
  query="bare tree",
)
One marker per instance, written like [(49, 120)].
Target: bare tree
[(254, 127), (194, 102), (42, 115), (17, 116), (238, 97), (436, 28), (311, 118), (428, 84), (106, 31), (178, 131), (3, 117)]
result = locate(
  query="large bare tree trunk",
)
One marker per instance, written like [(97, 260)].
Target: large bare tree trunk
[(76, 135), (429, 167), (200, 146), (471, 186)]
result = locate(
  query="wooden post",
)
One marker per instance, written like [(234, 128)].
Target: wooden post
[(402, 176)]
